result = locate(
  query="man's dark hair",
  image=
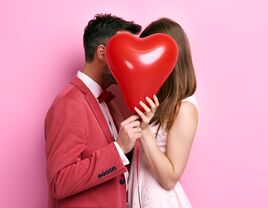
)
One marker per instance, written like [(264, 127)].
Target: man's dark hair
[(101, 28)]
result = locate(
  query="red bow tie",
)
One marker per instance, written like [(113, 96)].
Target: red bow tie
[(105, 96)]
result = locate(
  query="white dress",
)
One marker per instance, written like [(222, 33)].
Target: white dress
[(144, 191)]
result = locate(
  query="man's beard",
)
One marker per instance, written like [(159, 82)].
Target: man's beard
[(108, 78)]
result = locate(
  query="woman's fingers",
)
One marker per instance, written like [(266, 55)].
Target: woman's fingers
[(149, 112), (141, 114), (145, 107), (156, 100), (151, 103)]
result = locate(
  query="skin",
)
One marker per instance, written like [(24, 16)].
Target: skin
[(168, 167), (129, 129)]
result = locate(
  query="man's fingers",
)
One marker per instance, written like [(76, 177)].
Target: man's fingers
[(133, 124), (137, 135), (129, 120), (136, 130)]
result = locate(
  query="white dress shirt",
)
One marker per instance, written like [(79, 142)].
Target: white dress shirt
[(96, 90)]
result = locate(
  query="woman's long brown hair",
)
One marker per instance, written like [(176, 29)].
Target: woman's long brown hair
[(182, 81)]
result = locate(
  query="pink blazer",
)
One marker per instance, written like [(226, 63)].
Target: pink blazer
[(84, 168)]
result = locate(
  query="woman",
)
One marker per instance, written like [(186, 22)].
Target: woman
[(168, 128)]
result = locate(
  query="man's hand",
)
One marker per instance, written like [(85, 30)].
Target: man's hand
[(129, 131)]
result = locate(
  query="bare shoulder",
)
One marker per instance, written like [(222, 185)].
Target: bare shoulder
[(186, 121), (187, 109)]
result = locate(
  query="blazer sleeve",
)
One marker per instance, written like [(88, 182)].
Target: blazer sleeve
[(67, 172)]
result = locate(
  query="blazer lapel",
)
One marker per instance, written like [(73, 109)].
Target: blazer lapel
[(94, 105)]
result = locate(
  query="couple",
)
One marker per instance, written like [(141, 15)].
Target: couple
[(92, 159)]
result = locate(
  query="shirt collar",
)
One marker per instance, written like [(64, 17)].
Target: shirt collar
[(93, 86)]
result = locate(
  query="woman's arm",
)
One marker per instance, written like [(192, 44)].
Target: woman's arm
[(169, 167)]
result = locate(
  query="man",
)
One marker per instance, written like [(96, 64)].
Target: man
[(85, 153)]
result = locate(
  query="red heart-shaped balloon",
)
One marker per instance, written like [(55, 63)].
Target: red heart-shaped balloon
[(140, 65)]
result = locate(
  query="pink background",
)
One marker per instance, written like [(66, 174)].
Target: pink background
[(41, 49)]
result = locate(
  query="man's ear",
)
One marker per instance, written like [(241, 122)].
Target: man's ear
[(101, 52)]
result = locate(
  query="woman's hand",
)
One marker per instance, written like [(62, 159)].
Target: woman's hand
[(147, 116)]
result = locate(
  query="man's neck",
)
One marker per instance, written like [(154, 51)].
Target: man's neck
[(94, 71)]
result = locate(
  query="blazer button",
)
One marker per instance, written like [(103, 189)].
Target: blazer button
[(122, 181), (99, 176), (114, 168)]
